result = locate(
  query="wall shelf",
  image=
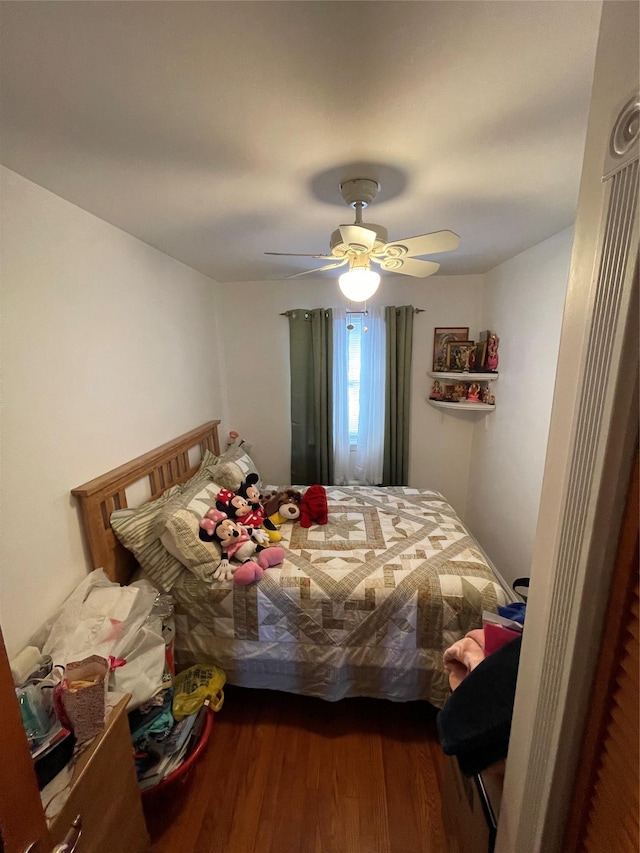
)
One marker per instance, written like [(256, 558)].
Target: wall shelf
[(462, 405), (458, 376)]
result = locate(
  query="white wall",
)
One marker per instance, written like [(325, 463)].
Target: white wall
[(256, 343), (109, 348), (524, 299)]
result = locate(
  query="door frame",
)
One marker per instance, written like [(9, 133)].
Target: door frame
[(593, 434)]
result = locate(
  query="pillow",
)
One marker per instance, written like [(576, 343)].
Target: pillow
[(181, 523), (199, 486), (136, 530), (228, 475), (180, 535), (232, 468), (139, 529)]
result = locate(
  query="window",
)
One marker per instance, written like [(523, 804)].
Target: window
[(358, 395), (354, 356)]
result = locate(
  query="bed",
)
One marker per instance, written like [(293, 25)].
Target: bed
[(362, 606)]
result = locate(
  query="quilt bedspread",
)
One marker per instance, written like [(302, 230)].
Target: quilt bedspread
[(364, 605)]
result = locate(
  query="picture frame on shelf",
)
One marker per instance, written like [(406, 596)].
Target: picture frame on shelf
[(450, 394), (460, 391), (480, 356), (460, 356), (441, 337)]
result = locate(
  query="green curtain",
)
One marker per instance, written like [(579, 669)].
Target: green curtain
[(399, 322), (311, 353)]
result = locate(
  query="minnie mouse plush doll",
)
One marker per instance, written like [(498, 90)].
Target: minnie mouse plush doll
[(235, 542), (248, 510)]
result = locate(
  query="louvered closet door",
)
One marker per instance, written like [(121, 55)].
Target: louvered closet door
[(613, 816), (605, 813)]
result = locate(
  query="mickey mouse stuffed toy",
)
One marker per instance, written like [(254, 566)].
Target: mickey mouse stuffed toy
[(237, 507), (235, 542), (254, 516), (233, 505)]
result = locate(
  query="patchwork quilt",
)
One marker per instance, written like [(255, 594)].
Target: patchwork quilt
[(362, 606)]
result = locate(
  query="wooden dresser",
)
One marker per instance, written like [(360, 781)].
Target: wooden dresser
[(105, 793), (470, 807)]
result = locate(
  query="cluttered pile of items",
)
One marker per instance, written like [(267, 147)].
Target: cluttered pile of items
[(107, 642), (474, 724), (169, 730)]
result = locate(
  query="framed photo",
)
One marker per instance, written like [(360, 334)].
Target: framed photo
[(460, 355), (443, 336), (480, 356)]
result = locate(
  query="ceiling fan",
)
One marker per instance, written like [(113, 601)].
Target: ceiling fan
[(363, 243)]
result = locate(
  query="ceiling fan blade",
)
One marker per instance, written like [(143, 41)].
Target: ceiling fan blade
[(321, 269), (358, 236), (424, 244), (409, 266), (298, 255)]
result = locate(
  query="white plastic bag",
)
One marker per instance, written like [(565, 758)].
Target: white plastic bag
[(106, 619)]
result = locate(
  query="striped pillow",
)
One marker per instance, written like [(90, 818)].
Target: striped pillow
[(139, 529), (136, 530), (180, 538), (180, 535), (232, 468)]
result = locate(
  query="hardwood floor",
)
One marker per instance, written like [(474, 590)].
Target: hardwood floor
[(291, 774)]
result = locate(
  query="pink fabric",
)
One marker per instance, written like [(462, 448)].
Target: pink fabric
[(271, 556), (495, 636), (253, 518), (230, 549), (464, 656), (247, 573)]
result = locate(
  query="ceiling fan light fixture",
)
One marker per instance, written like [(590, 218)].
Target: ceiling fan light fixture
[(362, 243), (359, 284)]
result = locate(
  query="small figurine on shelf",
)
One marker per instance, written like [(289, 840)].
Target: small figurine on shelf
[(485, 395), (436, 391), (467, 355), (474, 393), (460, 391), (492, 351)]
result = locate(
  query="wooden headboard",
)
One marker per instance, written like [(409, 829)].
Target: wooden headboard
[(163, 467)]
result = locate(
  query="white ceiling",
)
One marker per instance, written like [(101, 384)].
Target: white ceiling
[(216, 131)]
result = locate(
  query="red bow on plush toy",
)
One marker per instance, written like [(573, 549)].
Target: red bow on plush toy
[(313, 509), (245, 507), (239, 507)]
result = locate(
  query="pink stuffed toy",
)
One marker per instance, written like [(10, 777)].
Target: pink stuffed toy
[(245, 507), (313, 509), (235, 542)]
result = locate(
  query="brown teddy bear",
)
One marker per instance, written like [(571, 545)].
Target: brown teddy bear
[(279, 507)]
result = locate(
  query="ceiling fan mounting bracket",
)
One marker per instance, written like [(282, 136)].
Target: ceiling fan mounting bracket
[(340, 248), (359, 191)]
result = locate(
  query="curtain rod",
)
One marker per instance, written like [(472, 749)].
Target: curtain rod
[(289, 313)]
